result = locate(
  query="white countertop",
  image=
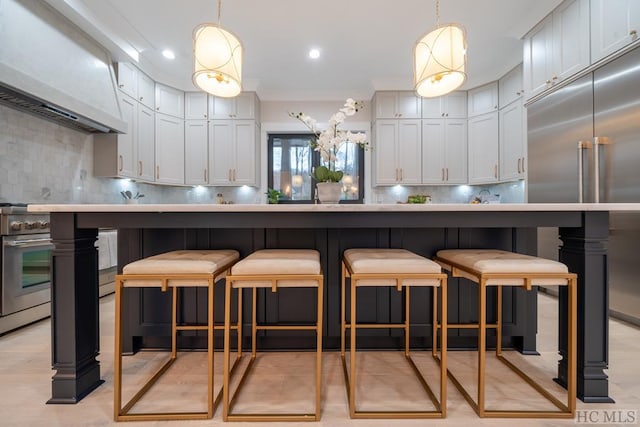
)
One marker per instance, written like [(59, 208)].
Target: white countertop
[(498, 207)]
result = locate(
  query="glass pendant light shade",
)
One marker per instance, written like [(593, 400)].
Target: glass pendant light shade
[(218, 61), (440, 61)]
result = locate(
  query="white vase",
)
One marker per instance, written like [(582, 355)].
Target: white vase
[(329, 192)]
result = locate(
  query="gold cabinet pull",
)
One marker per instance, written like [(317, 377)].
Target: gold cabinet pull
[(495, 171), (139, 168), (523, 165), (120, 163), (447, 174), (157, 172), (443, 174), (519, 161)]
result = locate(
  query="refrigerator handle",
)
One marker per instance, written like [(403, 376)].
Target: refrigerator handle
[(582, 145), (598, 141)]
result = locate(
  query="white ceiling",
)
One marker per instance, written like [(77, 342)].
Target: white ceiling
[(365, 45)]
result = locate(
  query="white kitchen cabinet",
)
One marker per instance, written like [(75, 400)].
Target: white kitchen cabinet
[(614, 24), (196, 164), (557, 48), (145, 143), (136, 84), (512, 142), (397, 105), (195, 106), (169, 101), (444, 151), (243, 107), (483, 148), (510, 87), (169, 149), (453, 106), (232, 152), (115, 155), (483, 99), (397, 152)]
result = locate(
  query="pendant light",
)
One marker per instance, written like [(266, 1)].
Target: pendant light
[(218, 59), (440, 59)]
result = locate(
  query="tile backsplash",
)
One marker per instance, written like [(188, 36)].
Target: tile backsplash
[(42, 162)]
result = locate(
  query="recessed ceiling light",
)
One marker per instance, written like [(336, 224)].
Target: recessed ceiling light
[(168, 54), (314, 54)]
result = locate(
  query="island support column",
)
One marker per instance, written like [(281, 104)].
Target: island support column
[(584, 251), (74, 310)]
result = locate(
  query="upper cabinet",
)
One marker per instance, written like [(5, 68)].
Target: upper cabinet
[(483, 99), (512, 142), (510, 87), (396, 105), (195, 106), (483, 148), (397, 152), (169, 101), (452, 106), (245, 106), (557, 47), (614, 24), (135, 83)]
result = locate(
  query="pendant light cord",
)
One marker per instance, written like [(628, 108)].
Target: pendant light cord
[(219, 11), (437, 13)]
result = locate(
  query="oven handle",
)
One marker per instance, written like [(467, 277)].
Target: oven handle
[(28, 243)]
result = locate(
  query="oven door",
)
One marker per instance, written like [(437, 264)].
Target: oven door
[(26, 271)]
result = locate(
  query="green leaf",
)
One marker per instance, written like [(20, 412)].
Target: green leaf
[(335, 176), (321, 174)]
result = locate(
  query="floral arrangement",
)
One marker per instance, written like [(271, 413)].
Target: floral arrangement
[(329, 141)]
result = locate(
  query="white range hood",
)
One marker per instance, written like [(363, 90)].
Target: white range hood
[(50, 68)]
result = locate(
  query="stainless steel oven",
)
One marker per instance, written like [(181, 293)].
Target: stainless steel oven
[(25, 260)]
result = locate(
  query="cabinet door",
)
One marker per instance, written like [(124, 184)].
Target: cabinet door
[(456, 151), (169, 149), (386, 135), (244, 165), (146, 143), (614, 24), (511, 142), (432, 107), (146, 90), (570, 39), (195, 105), (127, 141), (245, 106), (433, 151), (220, 152), (483, 148), (538, 58), (408, 105), (128, 79), (221, 108), (510, 86), (169, 101), (483, 99), (196, 152), (410, 151), (455, 105)]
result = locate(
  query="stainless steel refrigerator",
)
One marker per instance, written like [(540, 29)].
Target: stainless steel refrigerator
[(584, 145)]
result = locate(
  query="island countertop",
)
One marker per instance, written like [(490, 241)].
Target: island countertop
[(398, 207)]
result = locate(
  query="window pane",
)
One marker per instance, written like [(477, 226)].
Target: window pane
[(291, 167), (348, 163)]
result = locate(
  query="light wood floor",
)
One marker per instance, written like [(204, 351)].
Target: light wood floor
[(25, 371)]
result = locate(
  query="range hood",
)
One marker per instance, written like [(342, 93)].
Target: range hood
[(50, 68)]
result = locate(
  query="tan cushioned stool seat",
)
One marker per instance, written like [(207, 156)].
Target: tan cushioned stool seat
[(278, 262), (181, 262), (490, 261), (391, 261)]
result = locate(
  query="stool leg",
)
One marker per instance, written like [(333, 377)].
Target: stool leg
[(239, 324), (254, 326), (352, 353), (319, 349), (572, 345), (499, 321), (226, 338), (482, 334), (443, 344), (343, 326), (210, 336), (434, 322), (174, 322), (406, 320), (117, 364)]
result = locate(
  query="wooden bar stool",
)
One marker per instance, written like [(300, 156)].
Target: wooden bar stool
[(488, 267), (170, 271), (400, 269), (273, 268)]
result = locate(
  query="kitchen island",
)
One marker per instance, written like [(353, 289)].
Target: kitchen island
[(149, 229)]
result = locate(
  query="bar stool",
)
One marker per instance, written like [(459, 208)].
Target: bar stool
[(274, 269), (488, 267), (401, 269), (170, 271)]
